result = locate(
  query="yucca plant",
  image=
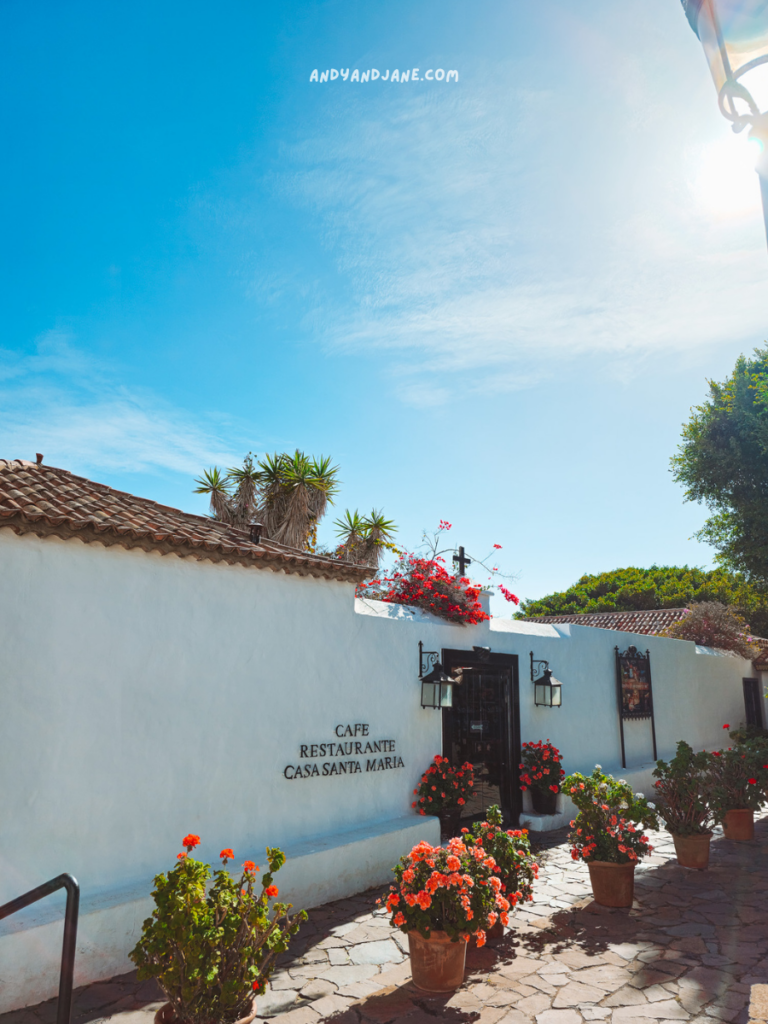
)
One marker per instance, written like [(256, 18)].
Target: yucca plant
[(216, 484), (287, 494), (295, 494), (365, 538)]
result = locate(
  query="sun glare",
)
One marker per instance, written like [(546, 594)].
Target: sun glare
[(726, 184)]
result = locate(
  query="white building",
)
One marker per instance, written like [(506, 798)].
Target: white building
[(163, 674)]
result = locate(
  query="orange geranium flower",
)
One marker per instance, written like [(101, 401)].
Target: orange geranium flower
[(190, 841), (227, 855), (249, 867), (271, 890)]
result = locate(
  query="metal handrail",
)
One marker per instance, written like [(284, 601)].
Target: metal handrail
[(66, 977)]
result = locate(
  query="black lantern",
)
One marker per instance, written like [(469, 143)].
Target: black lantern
[(436, 686), (734, 36), (547, 692)]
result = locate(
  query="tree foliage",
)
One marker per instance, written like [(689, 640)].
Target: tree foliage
[(660, 586), (712, 624), (723, 463)]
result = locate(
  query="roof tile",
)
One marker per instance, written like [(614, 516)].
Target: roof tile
[(48, 501)]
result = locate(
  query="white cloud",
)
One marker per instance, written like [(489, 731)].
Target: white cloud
[(61, 403), (493, 232)]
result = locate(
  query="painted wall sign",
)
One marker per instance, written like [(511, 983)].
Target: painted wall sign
[(346, 756), (635, 692)]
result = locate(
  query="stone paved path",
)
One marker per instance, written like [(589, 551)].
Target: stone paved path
[(688, 950)]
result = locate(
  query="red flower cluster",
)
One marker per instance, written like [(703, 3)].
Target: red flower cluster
[(442, 785), (190, 841), (628, 839), (541, 767), (455, 889), (508, 595), (425, 583)]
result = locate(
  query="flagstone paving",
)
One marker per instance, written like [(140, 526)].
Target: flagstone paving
[(688, 950)]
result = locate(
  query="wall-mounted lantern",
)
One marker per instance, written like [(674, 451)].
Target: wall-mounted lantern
[(436, 686), (546, 689), (734, 35)]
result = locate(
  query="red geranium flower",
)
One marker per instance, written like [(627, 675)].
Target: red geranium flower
[(271, 890), (227, 855), (190, 841)]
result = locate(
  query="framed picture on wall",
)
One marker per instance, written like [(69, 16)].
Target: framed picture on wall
[(635, 677), (635, 692)]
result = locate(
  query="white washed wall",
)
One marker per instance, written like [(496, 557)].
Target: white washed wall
[(146, 696)]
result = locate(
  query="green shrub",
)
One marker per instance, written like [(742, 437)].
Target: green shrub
[(683, 789), (212, 948), (606, 827)]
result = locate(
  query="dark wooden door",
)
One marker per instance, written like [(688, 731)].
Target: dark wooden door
[(753, 702), (482, 727)]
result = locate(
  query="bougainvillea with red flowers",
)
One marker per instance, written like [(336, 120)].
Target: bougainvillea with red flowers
[(541, 768), (443, 786), (212, 947), (454, 889), (611, 818), (423, 581)]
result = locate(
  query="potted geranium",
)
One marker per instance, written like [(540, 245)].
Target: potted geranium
[(212, 949), (441, 896), (683, 791), (541, 774), (738, 780), (511, 849), (444, 790), (607, 833)]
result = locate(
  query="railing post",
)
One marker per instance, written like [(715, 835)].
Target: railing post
[(69, 945)]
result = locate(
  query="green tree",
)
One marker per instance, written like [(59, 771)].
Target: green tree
[(723, 463), (660, 586)]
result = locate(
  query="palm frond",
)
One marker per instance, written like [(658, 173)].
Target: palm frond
[(214, 483)]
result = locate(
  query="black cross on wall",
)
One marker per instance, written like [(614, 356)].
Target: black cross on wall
[(462, 561)]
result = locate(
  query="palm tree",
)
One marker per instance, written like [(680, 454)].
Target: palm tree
[(364, 538), (295, 494), (350, 528), (244, 503), (216, 484), (289, 495), (380, 532)]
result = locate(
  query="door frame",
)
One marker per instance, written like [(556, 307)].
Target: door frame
[(453, 658)]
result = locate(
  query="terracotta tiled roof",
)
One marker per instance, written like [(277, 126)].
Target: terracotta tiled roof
[(651, 621), (46, 501)]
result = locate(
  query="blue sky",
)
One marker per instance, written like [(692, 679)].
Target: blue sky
[(493, 301)]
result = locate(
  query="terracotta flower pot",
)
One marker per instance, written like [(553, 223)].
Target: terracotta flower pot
[(613, 885), (544, 801), (437, 964), (449, 821), (739, 825), (693, 851), (167, 1015)]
